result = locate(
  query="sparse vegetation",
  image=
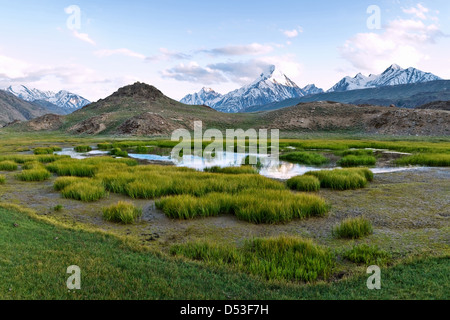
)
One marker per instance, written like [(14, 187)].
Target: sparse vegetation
[(353, 228), (122, 212), (355, 161), (368, 255), (8, 166), (308, 158), (2, 179), (58, 208), (304, 183)]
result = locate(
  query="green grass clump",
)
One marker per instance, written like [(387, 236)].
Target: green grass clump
[(369, 255), (343, 179), (355, 161), (2, 179), (281, 258), (142, 150), (86, 191), (72, 167), (119, 153), (39, 174), (357, 152), (254, 205), (8, 166), (105, 146), (62, 182), (232, 170), (47, 150), (58, 207), (32, 165), (353, 228), (304, 183), (308, 158), (122, 212), (430, 160), (83, 148)]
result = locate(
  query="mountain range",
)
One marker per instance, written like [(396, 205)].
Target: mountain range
[(61, 102), (271, 86), (274, 87)]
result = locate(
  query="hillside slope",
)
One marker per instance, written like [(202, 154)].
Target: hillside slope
[(16, 109)]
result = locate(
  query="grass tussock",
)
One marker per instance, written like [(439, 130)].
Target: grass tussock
[(430, 160), (87, 191), (2, 179), (353, 228), (8, 165), (355, 161), (281, 258), (369, 255), (72, 168), (119, 153), (83, 148), (122, 212), (46, 150), (304, 183), (40, 174), (343, 179), (255, 206), (356, 152), (308, 158), (245, 169)]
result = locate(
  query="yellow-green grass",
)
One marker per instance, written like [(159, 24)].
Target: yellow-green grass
[(46, 150), (431, 160), (343, 179), (39, 174), (123, 212), (245, 169), (83, 148), (32, 165), (62, 182), (304, 183), (8, 165), (87, 191), (72, 168), (356, 152), (355, 161), (282, 258), (308, 158), (353, 228), (2, 179), (119, 153), (255, 206), (368, 255), (21, 159)]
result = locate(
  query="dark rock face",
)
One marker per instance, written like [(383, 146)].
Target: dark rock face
[(139, 89)]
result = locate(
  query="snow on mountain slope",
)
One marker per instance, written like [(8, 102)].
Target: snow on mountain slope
[(206, 96), (271, 86), (394, 75), (65, 100)]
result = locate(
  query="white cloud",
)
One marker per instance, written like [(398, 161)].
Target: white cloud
[(292, 33), (166, 55), (193, 72), (419, 11), (83, 37), (123, 52), (404, 41), (239, 50)]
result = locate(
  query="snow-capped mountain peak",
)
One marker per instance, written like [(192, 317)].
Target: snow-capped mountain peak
[(206, 96), (65, 100), (394, 75)]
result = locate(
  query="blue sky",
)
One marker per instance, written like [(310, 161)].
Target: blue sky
[(181, 46)]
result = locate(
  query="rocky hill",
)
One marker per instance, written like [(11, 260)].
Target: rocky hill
[(16, 109)]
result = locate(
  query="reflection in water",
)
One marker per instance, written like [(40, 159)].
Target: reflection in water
[(268, 167)]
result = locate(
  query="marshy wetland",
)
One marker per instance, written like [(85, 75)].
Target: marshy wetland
[(305, 227)]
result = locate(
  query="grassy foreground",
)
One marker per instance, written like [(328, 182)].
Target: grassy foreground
[(36, 253)]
